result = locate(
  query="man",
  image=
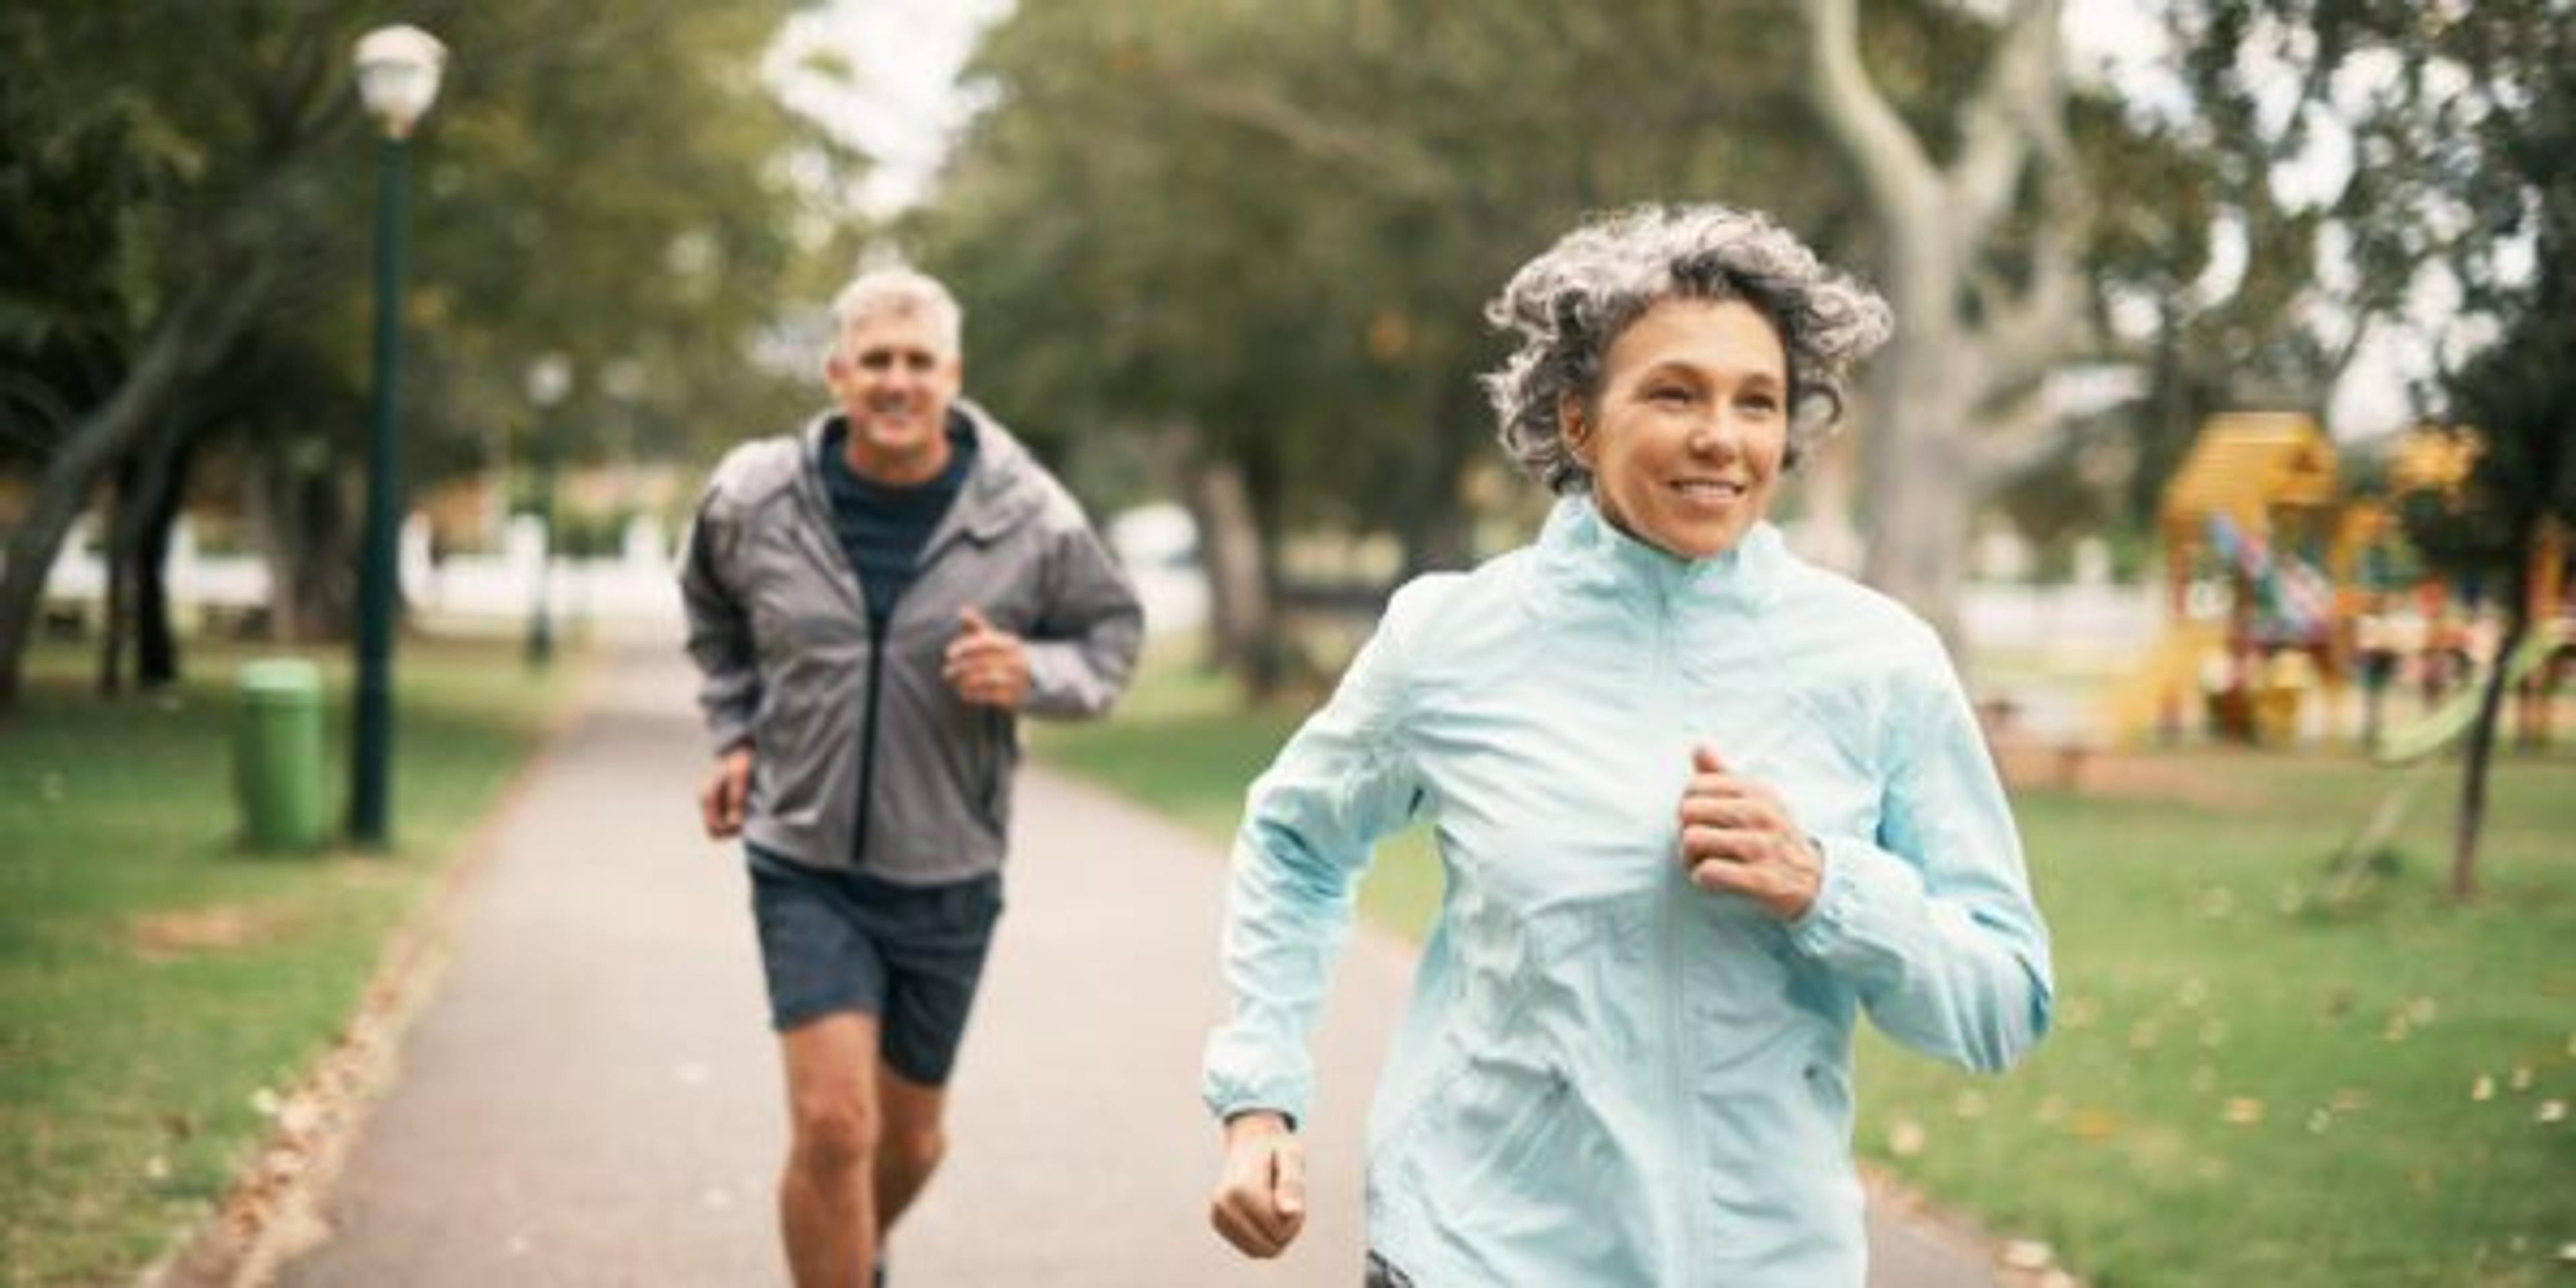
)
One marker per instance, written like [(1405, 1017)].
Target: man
[(873, 602)]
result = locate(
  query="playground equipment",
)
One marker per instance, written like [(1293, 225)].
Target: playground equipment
[(2255, 491), (2281, 591)]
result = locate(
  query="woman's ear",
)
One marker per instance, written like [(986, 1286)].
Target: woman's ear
[(1574, 429)]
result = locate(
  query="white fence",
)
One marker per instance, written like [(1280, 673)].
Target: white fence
[(636, 592)]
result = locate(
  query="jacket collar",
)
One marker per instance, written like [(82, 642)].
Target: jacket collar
[(998, 494), (1584, 552)]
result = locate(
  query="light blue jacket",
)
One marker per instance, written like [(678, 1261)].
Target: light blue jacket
[(1607, 1076)]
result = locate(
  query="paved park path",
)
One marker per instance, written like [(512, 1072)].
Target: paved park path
[(593, 1098)]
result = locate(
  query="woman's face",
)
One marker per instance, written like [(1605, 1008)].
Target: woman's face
[(1691, 426)]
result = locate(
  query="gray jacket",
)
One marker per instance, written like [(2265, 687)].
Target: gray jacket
[(863, 756)]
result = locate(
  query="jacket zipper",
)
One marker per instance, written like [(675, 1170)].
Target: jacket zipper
[(868, 736), (1684, 1200)]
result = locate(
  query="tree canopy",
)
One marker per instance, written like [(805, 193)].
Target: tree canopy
[(187, 207)]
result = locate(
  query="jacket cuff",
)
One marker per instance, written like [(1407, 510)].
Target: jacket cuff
[(1849, 925), (1061, 684), (1227, 1092), (726, 732)]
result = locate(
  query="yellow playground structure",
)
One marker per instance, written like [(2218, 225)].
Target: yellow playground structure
[(2282, 593)]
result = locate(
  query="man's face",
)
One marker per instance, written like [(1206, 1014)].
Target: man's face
[(894, 381)]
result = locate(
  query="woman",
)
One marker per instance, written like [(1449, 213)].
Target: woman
[(1697, 803)]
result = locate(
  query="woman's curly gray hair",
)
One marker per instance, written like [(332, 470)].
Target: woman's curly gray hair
[(1573, 301)]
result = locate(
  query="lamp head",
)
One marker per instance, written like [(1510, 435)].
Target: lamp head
[(549, 379), (398, 69)]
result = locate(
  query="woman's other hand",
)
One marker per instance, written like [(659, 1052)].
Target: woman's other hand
[(1260, 1200), (1738, 838)]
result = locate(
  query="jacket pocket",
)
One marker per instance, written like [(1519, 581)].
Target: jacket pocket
[(1828, 1083), (998, 741), (1473, 1160)]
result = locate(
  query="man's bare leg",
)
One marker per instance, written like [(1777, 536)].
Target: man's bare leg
[(827, 1199), (915, 1139)]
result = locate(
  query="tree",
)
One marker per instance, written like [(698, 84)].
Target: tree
[(2518, 394), (2460, 122), (1979, 259), (187, 202)]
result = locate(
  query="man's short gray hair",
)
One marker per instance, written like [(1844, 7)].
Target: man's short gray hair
[(1571, 303), (899, 291)]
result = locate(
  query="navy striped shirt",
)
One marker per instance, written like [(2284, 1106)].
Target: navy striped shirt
[(882, 527)]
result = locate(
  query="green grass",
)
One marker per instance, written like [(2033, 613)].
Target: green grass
[(1182, 743), (154, 978), (2199, 975)]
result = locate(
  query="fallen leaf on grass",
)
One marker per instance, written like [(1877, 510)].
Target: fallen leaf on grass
[(2483, 1089), (2551, 1111), (167, 936), (2028, 1254), (1905, 1138), (2244, 1111), (2094, 1124)]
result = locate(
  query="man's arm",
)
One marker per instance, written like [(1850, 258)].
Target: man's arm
[(1084, 645), (720, 638)]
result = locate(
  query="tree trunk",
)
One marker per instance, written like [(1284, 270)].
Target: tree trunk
[(1434, 525), (1828, 482), (305, 530), (156, 646), (1916, 486), (2482, 738), (191, 336), (116, 598), (136, 607), (1239, 606), (1274, 653)]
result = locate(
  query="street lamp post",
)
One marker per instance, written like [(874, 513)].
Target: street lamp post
[(549, 379), (398, 70)]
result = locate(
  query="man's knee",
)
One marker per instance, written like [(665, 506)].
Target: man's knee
[(836, 1133), (916, 1149)]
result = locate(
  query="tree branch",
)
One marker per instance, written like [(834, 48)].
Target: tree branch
[(1999, 124), (1892, 163), (1398, 171), (2026, 434), (2032, 333), (2023, 338)]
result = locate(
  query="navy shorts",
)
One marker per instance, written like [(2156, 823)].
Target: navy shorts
[(842, 941)]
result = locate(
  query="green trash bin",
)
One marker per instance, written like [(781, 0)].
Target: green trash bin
[(277, 755)]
